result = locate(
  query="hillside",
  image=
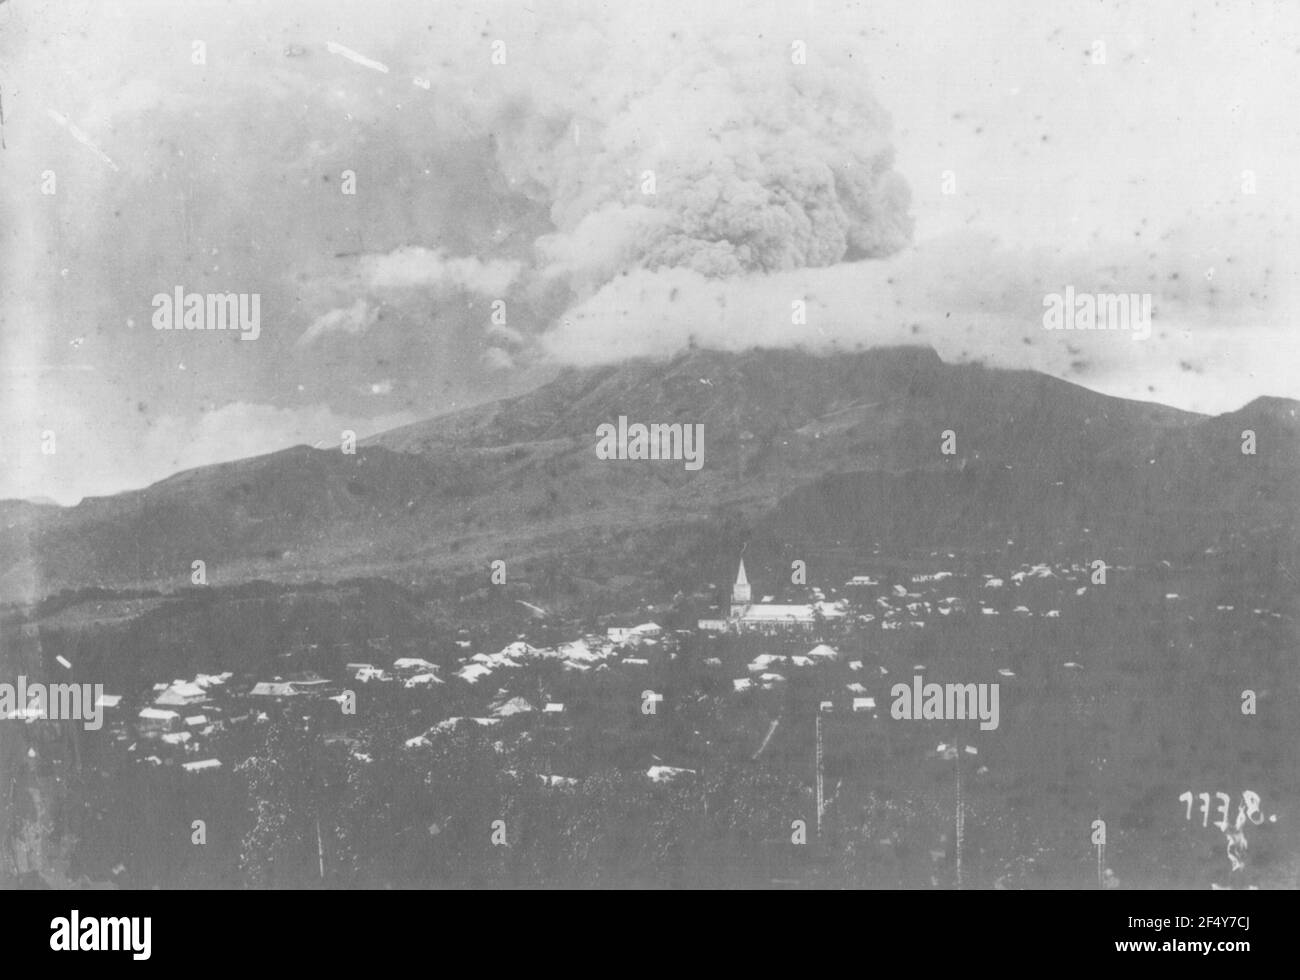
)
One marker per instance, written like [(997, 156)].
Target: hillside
[(843, 448)]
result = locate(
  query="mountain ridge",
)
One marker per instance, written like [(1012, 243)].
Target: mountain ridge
[(519, 476)]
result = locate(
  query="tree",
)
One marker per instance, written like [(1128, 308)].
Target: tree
[(275, 849)]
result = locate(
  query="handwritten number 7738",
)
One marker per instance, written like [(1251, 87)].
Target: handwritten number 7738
[(1249, 804)]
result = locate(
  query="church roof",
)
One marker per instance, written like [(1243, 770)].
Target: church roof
[(768, 612), (740, 575)]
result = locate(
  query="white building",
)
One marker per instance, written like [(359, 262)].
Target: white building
[(182, 693), (747, 616), (157, 719)]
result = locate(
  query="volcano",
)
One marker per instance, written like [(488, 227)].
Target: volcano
[(883, 446)]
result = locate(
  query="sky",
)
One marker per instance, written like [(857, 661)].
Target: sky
[(550, 184)]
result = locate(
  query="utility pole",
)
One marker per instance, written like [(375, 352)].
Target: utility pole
[(820, 805), (961, 816), (320, 850), (317, 786), (1101, 860)]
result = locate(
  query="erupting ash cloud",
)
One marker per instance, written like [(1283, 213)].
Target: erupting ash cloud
[(692, 148), (756, 167), (640, 141)]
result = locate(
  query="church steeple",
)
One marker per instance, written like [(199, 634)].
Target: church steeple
[(740, 593)]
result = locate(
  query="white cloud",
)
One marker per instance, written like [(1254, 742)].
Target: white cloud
[(971, 300), (412, 267), (93, 459), (401, 279), (355, 319), (242, 429)]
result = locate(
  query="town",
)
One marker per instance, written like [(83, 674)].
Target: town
[(786, 689)]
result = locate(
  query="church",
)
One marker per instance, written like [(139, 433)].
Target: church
[(747, 616)]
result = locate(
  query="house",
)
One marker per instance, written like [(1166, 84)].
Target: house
[(471, 673), (272, 689), (446, 725), (307, 679), (423, 680), (518, 649), (208, 680), (580, 650), (108, 701), (864, 704), (195, 720), (631, 634), (665, 774), (765, 660), (558, 781), (181, 693), (203, 765), (157, 719), (553, 709), (515, 706)]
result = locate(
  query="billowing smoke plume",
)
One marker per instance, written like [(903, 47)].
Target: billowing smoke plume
[(723, 170), (686, 148), (646, 140)]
